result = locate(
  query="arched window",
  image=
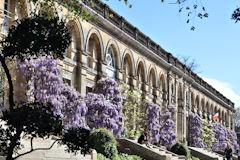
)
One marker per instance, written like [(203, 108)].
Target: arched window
[(73, 43), (140, 76), (127, 69), (95, 55), (110, 62), (91, 52), (72, 49), (152, 82)]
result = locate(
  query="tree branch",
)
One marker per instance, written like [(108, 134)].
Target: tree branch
[(37, 149), (31, 143), (10, 83)]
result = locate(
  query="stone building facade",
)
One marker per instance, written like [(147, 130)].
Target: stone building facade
[(114, 48)]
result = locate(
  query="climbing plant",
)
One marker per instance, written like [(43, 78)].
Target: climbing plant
[(208, 135), (167, 135), (196, 131), (132, 112)]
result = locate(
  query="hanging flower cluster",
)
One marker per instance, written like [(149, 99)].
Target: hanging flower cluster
[(105, 107), (196, 131), (223, 137), (43, 84), (232, 139), (220, 135), (153, 121), (167, 135)]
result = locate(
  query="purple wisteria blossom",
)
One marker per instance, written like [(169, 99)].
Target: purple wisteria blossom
[(220, 135), (43, 84), (224, 136), (232, 139), (195, 131), (167, 135), (105, 107), (153, 121)]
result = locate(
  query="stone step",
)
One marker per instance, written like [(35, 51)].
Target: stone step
[(148, 153), (205, 154)]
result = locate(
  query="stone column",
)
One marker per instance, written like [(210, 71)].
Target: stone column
[(230, 120), (169, 82), (190, 100), (184, 114), (233, 126), (103, 67), (165, 98), (84, 68)]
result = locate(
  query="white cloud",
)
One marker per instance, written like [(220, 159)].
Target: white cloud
[(226, 89)]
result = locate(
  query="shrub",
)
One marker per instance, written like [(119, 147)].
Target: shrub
[(119, 157), (128, 157), (181, 149), (103, 142), (101, 157)]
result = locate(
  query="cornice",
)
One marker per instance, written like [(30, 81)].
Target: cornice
[(117, 26)]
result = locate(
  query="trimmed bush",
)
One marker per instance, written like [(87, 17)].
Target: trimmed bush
[(181, 149), (103, 142)]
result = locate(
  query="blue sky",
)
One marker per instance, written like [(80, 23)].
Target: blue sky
[(214, 44)]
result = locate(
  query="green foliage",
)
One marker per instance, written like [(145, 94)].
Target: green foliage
[(49, 38), (134, 116), (208, 135), (101, 157), (103, 142), (32, 120), (129, 157), (119, 157), (181, 149)]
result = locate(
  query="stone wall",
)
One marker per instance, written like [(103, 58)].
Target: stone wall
[(134, 60)]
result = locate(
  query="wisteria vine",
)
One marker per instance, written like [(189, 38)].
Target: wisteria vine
[(153, 121), (43, 84), (195, 131), (105, 107), (223, 137), (167, 135)]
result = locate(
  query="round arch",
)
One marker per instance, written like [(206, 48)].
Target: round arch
[(128, 53), (77, 40), (154, 69), (95, 32), (162, 83), (128, 68), (141, 75), (112, 43), (76, 24), (141, 62), (152, 80)]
